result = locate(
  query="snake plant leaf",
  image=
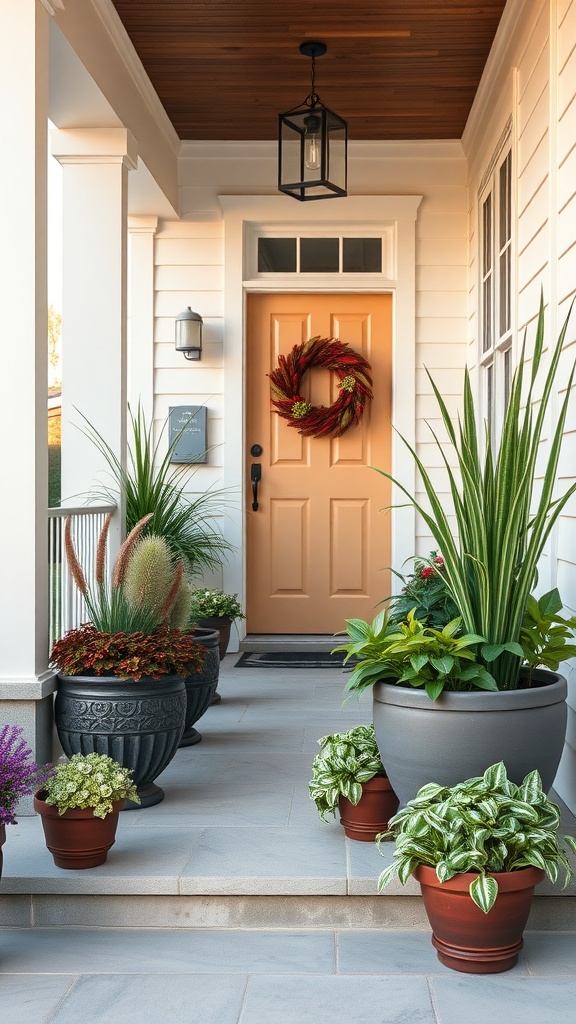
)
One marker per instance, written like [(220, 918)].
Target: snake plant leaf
[(484, 891)]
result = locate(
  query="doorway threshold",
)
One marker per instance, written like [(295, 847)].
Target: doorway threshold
[(261, 643)]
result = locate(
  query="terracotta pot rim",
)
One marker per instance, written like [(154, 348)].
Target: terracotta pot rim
[(51, 811), (377, 782), (508, 881)]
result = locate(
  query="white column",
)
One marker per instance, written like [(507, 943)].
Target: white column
[(94, 302), (141, 232), (24, 679)]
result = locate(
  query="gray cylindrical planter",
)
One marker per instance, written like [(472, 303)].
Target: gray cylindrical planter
[(139, 724), (201, 687), (459, 735)]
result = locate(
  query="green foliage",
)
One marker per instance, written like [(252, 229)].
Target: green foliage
[(345, 761), (547, 638), (151, 483), (89, 780), (165, 651), (412, 654), (502, 521), (424, 592), (207, 604), (484, 825)]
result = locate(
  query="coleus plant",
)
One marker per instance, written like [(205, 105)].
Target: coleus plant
[(485, 825), (345, 761)]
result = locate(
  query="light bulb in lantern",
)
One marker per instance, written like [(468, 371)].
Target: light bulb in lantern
[(312, 147)]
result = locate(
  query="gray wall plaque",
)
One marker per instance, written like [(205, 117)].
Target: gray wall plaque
[(187, 426)]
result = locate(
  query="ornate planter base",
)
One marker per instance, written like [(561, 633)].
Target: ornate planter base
[(364, 820), (139, 724), (466, 938), (76, 839)]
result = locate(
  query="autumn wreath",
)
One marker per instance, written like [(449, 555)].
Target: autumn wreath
[(355, 385)]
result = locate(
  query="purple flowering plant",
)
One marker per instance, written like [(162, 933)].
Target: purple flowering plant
[(18, 774)]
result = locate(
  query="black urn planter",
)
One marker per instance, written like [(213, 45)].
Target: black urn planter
[(139, 724), (223, 625), (201, 687), (459, 735)]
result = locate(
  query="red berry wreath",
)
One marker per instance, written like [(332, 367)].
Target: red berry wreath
[(355, 384)]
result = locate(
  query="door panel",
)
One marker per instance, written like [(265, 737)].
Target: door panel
[(318, 545)]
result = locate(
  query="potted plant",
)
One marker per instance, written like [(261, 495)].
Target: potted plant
[(19, 776), (213, 609), (79, 806), (348, 774), (120, 688), (425, 593), (477, 850), (505, 508)]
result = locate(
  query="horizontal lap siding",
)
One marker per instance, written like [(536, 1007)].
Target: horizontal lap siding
[(543, 51)]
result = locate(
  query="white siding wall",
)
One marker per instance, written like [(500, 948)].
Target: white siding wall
[(189, 271), (534, 80)]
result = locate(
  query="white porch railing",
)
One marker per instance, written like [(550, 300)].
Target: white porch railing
[(67, 608)]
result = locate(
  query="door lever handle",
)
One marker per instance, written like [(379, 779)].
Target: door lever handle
[(255, 478)]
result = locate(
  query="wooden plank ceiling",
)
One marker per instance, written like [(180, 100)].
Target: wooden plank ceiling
[(395, 69)]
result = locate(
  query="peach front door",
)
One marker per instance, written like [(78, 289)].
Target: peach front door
[(319, 544)]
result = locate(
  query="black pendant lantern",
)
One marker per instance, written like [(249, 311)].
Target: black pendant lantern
[(312, 145)]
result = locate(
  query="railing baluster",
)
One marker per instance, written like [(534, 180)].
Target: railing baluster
[(67, 607)]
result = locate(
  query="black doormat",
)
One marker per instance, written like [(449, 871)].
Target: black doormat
[(290, 659)]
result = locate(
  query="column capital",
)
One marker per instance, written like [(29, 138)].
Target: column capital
[(142, 225), (94, 146)]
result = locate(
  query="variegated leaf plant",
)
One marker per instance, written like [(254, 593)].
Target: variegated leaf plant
[(346, 760), (485, 825)]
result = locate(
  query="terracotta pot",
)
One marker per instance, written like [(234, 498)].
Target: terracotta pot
[(77, 839), (223, 624), (364, 820), (2, 841), (465, 937)]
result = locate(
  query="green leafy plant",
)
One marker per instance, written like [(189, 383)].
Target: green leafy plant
[(153, 485), (485, 825), (547, 638), (410, 653), (89, 780), (345, 761), (424, 592), (207, 604), (503, 520)]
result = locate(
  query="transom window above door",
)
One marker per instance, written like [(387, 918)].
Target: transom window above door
[(334, 255)]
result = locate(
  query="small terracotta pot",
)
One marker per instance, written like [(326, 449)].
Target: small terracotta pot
[(465, 937), (364, 820), (2, 841), (77, 839)]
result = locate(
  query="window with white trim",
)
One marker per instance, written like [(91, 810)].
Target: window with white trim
[(496, 289)]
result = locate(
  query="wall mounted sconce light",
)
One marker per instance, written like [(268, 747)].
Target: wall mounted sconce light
[(189, 334), (312, 145)]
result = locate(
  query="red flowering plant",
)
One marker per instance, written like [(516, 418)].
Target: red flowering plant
[(136, 622), (19, 776), (425, 593)]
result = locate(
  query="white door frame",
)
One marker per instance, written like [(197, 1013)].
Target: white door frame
[(394, 217)]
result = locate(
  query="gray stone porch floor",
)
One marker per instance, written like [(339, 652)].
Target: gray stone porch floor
[(234, 875)]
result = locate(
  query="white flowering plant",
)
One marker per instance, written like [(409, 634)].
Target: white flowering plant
[(207, 604), (89, 780)]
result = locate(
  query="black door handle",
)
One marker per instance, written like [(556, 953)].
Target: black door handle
[(255, 478)]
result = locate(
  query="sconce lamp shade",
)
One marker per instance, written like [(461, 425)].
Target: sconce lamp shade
[(312, 153), (189, 334)]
